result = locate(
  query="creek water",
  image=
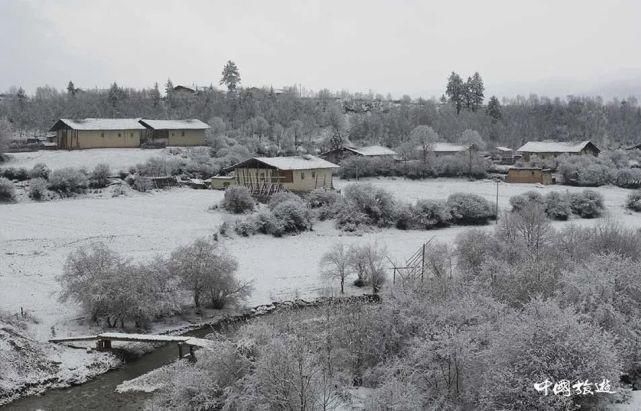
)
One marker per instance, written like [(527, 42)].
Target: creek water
[(99, 393)]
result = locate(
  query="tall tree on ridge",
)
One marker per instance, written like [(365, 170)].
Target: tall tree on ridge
[(231, 76), (456, 91)]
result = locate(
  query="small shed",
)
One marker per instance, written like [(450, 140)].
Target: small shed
[(189, 132), (530, 175), (296, 173)]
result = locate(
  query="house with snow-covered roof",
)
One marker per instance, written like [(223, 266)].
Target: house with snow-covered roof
[(545, 150), (189, 132), (339, 154), (296, 173), (97, 133)]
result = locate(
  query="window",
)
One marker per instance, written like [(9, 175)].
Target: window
[(119, 135), (182, 133), (313, 174), (131, 134), (102, 135), (172, 134), (302, 175)]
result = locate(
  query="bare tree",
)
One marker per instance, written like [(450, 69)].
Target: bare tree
[(335, 264)]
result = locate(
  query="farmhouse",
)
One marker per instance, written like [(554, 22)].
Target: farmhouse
[(531, 175), (298, 173), (339, 154), (189, 132), (448, 149), (503, 155), (97, 133), (552, 149)]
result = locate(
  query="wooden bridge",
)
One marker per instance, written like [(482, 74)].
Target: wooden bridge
[(103, 341)]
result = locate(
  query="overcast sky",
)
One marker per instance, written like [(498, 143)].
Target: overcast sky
[(548, 47)]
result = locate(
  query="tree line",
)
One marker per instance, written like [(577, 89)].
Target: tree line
[(290, 119)]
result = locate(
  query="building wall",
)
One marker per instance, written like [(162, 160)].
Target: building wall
[(82, 139), (551, 155), (529, 177), (294, 180), (186, 138)]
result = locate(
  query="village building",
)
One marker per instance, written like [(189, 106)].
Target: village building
[(265, 175), (339, 154), (189, 132), (97, 133), (184, 90), (546, 150), (448, 149), (530, 175), (503, 155)]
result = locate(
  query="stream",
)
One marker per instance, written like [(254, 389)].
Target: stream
[(99, 393)]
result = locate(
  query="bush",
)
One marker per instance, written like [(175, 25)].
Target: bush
[(376, 204), (519, 202), (100, 175), (38, 188), (281, 197), (586, 170), (557, 206), (11, 173), (587, 204), (321, 197), (67, 181), (159, 167), (40, 170), (628, 178), (469, 209), (293, 216), (238, 200), (424, 215), (633, 202), (7, 191)]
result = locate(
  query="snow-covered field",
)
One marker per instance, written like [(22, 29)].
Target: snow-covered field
[(35, 239), (117, 158)]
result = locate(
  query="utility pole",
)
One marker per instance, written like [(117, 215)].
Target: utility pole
[(496, 208)]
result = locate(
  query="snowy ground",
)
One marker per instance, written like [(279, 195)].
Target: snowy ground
[(117, 158), (35, 239)]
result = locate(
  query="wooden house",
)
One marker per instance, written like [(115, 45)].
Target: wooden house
[(264, 175), (339, 154), (545, 150), (97, 133), (530, 175), (190, 132)]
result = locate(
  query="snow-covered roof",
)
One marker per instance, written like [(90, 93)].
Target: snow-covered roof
[(99, 124), (502, 148), (304, 162), (187, 124), (553, 147), (447, 147), (372, 151)]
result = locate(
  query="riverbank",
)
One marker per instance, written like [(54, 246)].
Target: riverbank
[(110, 370)]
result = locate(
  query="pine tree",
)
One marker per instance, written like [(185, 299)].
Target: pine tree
[(476, 91), (494, 109), (155, 95), (456, 91), (231, 76), (71, 89)]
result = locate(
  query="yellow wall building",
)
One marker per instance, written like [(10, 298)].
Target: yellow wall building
[(298, 173), (190, 132), (98, 133)]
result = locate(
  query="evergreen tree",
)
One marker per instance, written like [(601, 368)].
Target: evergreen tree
[(476, 91), (155, 95), (231, 76), (71, 89), (456, 91), (494, 109)]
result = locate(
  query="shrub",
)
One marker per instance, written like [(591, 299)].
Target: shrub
[(521, 201), (11, 173), (628, 178), (587, 204), (557, 206), (67, 181), (375, 203), (586, 170), (40, 170), (139, 183), (38, 188), (281, 197), (469, 209), (100, 175), (293, 216), (238, 200), (159, 167), (321, 197), (428, 214), (633, 202), (7, 191)]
